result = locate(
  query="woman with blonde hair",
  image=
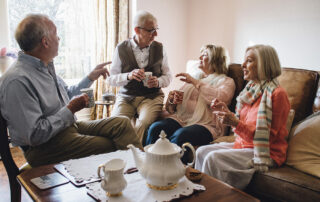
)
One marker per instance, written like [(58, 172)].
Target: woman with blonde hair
[(259, 124), (191, 119)]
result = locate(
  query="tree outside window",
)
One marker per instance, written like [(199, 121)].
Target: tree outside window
[(75, 21)]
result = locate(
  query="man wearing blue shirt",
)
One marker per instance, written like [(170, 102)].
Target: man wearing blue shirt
[(36, 103)]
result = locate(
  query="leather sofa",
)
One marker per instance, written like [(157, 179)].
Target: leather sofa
[(287, 183)]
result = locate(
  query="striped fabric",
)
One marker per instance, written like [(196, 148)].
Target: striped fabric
[(249, 95)]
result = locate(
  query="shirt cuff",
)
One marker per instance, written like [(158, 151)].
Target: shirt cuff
[(85, 82), (66, 116)]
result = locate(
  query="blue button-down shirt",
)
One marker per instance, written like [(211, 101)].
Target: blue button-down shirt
[(30, 102)]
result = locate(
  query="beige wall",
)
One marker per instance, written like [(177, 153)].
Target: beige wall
[(4, 29), (291, 26)]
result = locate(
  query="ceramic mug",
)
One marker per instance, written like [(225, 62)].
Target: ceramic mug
[(89, 92), (113, 181), (145, 80)]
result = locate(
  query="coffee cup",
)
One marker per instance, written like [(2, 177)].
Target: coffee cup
[(113, 181), (146, 78), (89, 92)]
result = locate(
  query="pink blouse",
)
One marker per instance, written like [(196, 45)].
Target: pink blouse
[(223, 91)]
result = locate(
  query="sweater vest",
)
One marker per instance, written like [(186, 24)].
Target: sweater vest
[(128, 63)]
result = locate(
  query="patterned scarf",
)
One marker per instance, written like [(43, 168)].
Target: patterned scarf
[(249, 95)]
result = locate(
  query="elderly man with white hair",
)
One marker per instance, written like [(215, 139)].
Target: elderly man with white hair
[(132, 58)]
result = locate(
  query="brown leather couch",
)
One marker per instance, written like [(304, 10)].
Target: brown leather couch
[(287, 183)]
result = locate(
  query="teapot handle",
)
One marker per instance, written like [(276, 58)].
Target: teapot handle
[(99, 168), (187, 144)]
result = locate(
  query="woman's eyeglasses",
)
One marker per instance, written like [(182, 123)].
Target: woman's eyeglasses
[(151, 31)]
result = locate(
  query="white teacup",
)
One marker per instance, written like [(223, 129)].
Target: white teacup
[(113, 181), (145, 80), (89, 92)]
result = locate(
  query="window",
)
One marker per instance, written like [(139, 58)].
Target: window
[(75, 21)]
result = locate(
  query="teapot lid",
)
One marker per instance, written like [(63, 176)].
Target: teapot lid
[(163, 146)]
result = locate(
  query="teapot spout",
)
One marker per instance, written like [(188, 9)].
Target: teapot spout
[(137, 159)]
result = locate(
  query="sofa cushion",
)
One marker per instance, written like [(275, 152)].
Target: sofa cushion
[(301, 86), (286, 184), (304, 146)]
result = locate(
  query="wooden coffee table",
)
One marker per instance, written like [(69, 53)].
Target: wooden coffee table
[(215, 189)]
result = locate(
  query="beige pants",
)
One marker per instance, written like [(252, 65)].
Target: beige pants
[(84, 139), (147, 110)]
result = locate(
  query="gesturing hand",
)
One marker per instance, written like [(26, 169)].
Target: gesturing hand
[(79, 102), (98, 71), (187, 78)]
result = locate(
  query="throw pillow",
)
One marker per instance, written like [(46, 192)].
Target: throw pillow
[(304, 151)]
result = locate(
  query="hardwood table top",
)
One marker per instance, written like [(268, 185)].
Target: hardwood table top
[(215, 189)]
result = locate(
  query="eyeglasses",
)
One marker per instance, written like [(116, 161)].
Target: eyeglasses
[(151, 31)]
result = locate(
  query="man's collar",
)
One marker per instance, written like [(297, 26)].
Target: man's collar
[(134, 43), (34, 60)]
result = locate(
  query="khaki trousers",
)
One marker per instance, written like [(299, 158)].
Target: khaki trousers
[(84, 139), (147, 110)]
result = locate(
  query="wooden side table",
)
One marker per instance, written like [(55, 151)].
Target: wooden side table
[(106, 104)]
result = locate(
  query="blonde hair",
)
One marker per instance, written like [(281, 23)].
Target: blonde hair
[(141, 17), (218, 58), (30, 31), (268, 64)]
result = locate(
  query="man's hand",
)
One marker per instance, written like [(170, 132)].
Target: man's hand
[(153, 82), (136, 74), (98, 71), (79, 102)]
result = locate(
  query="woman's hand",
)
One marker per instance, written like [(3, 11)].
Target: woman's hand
[(227, 118), (217, 105), (175, 97), (187, 78)]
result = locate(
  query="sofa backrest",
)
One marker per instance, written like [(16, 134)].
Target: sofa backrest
[(300, 84), (235, 72)]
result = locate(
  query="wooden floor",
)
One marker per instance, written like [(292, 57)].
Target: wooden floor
[(4, 182)]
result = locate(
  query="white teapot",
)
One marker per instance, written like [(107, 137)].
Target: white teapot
[(162, 167)]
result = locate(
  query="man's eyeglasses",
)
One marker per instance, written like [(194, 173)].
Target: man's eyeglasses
[(151, 31)]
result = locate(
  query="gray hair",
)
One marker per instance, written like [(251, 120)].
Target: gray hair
[(218, 58), (268, 64), (31, 30), (141, 17)]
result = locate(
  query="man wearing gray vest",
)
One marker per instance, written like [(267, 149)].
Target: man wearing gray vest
[(132, 58)]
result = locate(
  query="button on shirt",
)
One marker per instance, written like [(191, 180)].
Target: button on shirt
[(31, 104), (142, 57)]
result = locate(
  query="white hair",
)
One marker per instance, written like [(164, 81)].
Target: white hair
[(141, 17)]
